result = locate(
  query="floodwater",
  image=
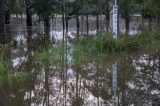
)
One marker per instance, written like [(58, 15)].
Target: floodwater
[(89, 83)]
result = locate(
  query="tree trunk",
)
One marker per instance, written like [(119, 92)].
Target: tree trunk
[(46, 21), (77, 23), (107, 13), (63, 23), (28, 13), (2, 22), (46, 27), (150, 23), (127, 17), (87, 24), (82, 24), (66, 25), (127, 25), (66, 15), (97, 16), (107, 21), (97, 23), (7, 16)]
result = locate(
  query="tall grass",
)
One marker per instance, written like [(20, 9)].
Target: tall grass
[(105, 44), (99, 45), (52, 55), (8, 77)]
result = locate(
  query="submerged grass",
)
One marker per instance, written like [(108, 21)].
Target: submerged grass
[(105, 44), (8, 77), (54, 55), (102, 45)]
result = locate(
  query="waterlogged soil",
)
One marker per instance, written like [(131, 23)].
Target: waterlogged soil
[(46, 82)]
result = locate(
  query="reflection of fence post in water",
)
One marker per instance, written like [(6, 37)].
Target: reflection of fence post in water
[(114, 81), (114, 34)]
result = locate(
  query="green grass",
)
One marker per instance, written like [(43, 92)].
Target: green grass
[(54, 54), (102, 45), (105, 44), (7, 77)]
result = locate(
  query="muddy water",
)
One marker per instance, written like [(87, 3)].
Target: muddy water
[(89, 83)]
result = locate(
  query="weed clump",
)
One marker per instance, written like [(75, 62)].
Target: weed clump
[(105, 44)]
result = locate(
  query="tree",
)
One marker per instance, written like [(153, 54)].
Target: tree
[(28, 6), (17, 7), (44, 8), (76, 11), (14, 7), (127, 8), (124, 7), (2, 20), (106, 4), (150, 9)]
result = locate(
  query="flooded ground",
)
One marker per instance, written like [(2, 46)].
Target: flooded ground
[(89, 83)]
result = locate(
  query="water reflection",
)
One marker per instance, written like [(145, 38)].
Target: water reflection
[(88, 84), (58, 83)]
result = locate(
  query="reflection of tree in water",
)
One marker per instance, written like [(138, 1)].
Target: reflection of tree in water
[(138, 81), (144, 86), (87, 84), (20, 93), (98, 82)]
